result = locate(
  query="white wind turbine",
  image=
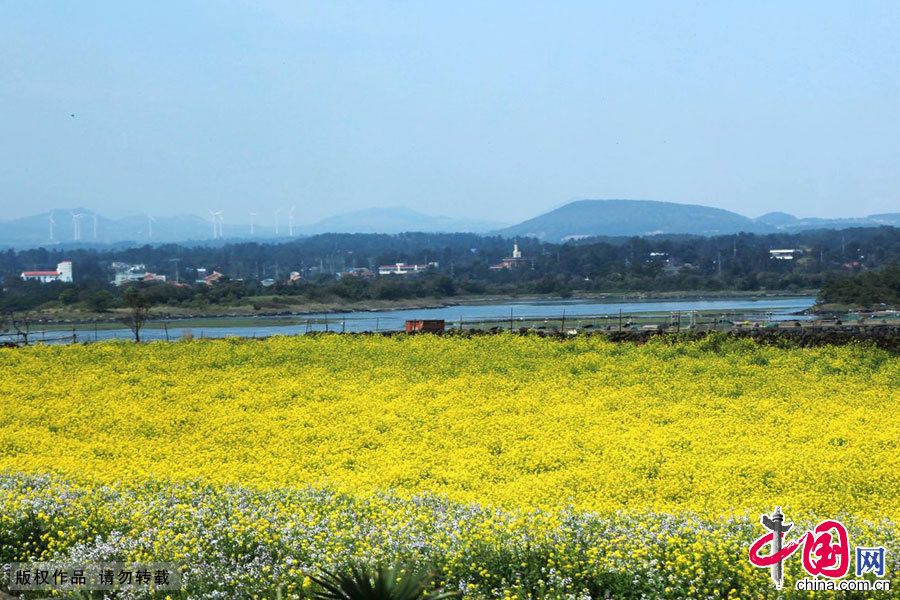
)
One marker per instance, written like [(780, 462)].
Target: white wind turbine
[(76, 226), (52, 223), (277, 212), (252, 221), (95, 225), (150, 222), (215, 222), (291, 222)]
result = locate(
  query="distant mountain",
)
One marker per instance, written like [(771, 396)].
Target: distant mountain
[(611, 218), (777, 219), (587, 218), (61, 226), (892, 219), (580, 219), (396, 219), (789, 223), (58, 227)]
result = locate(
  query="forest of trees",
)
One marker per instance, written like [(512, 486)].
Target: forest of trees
[(650, 264), (868, 289)]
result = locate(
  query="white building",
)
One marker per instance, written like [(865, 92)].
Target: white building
[(511, 262), (403, 268), (62, 273), (126, 273), (785, 253)]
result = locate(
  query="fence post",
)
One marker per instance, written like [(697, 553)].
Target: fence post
[(562, 327), (620, 319), (166, 327)]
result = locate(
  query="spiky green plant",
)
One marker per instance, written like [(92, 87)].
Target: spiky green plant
[(377, 583)]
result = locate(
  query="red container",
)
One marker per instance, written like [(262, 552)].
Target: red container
[(425, 326)]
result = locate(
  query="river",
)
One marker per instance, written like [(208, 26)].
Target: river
[(522, 313)]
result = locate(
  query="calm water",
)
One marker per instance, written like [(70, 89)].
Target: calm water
[(393, 320)]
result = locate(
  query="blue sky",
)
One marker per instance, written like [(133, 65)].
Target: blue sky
[(494, 110)]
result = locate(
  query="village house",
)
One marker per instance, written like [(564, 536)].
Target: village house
[(126, 273), (62, 273), (511, 262)]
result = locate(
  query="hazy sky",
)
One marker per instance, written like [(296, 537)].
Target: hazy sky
[(495, 110)]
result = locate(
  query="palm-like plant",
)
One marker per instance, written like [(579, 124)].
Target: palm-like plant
[(379, 583)]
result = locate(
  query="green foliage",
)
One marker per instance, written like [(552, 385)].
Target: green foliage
[(868, 288), (100, 300), (649, 264), (378, 583)]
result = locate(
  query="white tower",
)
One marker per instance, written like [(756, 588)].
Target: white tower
[(516, 252), (65, 271)]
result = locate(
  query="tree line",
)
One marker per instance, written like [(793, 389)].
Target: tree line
[(257, 273), (869, 288)]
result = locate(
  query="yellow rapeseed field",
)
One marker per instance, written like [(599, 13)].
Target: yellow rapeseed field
[(511, 421), (518, 466)]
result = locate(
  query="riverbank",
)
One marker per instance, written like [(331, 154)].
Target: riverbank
[(259, 311), (544, 315)]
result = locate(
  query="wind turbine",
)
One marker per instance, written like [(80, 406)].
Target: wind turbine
[(52, 223), (76, 226), (95, 225), (277, 212), (215, 223), (176, 261), (252, 217), (221, 223), (150, 222), (291, 222)]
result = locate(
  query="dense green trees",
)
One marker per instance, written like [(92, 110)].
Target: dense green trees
[(870, 289), (651, 264)]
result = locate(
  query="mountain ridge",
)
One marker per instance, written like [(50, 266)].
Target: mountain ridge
[(571, 221), (621, 217), (35, 230)]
